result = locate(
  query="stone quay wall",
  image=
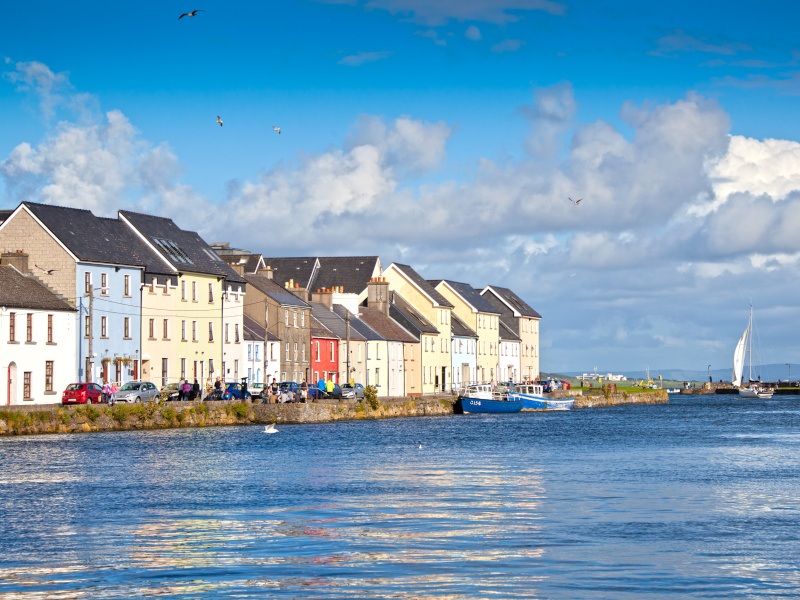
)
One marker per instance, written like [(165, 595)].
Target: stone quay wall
[(54, 418)]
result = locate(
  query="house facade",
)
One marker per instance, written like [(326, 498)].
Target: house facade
[(464, 353), (419, 294), (37, 333)]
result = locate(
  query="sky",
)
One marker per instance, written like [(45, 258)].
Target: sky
[(450, 136)]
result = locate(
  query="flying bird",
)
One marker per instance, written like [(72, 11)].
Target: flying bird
[(276, 129), (270, 428), (48, 271), (219, 120), (576, 202), (190, 14)]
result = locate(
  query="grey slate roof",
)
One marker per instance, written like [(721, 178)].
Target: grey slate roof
[(352, 273), (185, 250), (459, 328), (384, 325), (274, 291), (27, 292), (91, 238), (357, 324), (299, 270), (470, 295), (252, 330), (4, 214), (402, 312), (423, 285), (334, 322), (508, 333), (318, 330), (511, 299)]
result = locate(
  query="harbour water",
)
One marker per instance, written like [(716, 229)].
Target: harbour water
[(699, 498)]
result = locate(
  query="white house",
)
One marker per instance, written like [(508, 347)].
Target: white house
[(37, 338)]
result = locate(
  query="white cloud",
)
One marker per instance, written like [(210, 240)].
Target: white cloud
[(473, 34), (507, 46), (442, 11), (356, 60)]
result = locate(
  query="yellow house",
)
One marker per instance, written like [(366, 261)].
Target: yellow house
[(434, 335), (479, 314), (190, 299), (521, 319)]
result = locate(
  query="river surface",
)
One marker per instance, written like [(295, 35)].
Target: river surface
[(699, 498)]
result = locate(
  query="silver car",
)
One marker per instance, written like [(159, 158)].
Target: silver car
[(136, 391)]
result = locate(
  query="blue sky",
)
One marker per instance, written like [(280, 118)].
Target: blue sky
[(447, 135)]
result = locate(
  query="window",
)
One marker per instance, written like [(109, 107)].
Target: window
[(236, 332), (126, 328), (194, 331), (166, 329), (236, 368), (257, 353), (12, 327), (104, 327), (249, 351), (104, 284), (164, 371), (49, 329), (287, 350), (152, 329), (87, 327), (210, 293), (183, 368), (26, 385), (183, 290), (87, 282), (302, 319), (295, 351), (48, 376), (126, 284), (183, 330), (294, 318), (333, 354), (210, 331), (194, 291), (316, 351), (286, 317), (226, 332), (29, 328), (303, 352), (210, 366)]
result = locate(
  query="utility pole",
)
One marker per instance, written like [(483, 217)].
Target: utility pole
[(89, 355), (347, 324)]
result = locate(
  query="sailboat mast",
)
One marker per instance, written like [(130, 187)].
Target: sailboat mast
[(750, 345)]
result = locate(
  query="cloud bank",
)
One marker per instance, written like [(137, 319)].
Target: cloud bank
[(676, 205)]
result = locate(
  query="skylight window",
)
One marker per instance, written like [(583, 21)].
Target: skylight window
[(172, 250)]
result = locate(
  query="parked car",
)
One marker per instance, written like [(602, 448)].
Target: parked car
[(314, 393), (169, 392), (291, 386), (257, 390), (234, 391), (545, 385), (136, 391), (82, 393), (352, 391)]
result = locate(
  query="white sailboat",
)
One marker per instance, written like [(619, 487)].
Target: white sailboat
[(744, 348)]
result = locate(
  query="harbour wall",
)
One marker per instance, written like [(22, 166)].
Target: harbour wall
[(54, 418)]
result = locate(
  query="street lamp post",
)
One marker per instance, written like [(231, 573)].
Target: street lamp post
[(709, 373), (789, 366)]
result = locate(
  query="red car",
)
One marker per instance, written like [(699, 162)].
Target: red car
[(82, 393)]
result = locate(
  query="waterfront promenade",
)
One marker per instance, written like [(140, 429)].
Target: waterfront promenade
[(55, 418)]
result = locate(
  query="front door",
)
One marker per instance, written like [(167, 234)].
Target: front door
[(12, 383)]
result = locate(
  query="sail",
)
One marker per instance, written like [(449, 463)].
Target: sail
[(738, 359)]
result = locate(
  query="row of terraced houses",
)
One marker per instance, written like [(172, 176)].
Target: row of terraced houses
[(87, 298)]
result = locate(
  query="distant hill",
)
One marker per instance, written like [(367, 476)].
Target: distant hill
[(772, 372)]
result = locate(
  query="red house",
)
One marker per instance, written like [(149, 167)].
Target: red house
[(324, 353)]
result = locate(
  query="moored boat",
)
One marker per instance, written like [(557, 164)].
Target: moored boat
[(533, 398), (480, 398), (744, 347)]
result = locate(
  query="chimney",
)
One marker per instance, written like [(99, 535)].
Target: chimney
[(378, 294), (299, 292), (324, 296), (268, 272), (18, 259)]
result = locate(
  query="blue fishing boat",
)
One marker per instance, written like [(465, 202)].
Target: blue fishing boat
[(533, 398), (481, 399)]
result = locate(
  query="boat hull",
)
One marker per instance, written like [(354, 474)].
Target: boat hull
[(482, 405), (753, 393), (531, 402)]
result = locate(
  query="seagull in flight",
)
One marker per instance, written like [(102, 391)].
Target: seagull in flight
[(190, 14), (219, 120), (276, 129), (270, 428), (48, 271), (576, 202)]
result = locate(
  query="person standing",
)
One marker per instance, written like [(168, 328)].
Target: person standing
[(303, 391), (329, 386), (195, 389), (274, 390)]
